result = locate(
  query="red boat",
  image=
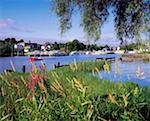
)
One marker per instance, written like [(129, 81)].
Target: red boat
[(31, 59)]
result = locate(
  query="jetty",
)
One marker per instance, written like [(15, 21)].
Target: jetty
[(58, 65), (106, 59)]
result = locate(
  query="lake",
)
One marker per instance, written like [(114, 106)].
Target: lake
[(127, 70), (49, 61)]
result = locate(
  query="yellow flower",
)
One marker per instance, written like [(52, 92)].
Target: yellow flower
[(125, 100), (98, 71), (112, 98), (136, 91), (106, 67)]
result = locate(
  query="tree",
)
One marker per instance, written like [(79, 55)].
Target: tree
[(56, 46), (21, 40), (76, 45), (5, 47), (130, 16)]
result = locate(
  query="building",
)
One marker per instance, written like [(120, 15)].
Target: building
[(19, 47), (31, 47)]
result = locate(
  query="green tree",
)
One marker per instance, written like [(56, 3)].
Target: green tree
[(56, 46), (76, 45), (130, 16), (7, 47)]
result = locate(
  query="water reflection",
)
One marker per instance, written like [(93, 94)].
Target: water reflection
[(138, 72)]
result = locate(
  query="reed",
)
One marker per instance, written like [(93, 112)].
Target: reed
[(71, 93)]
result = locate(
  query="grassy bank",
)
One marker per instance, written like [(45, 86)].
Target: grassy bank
[(71, 93)]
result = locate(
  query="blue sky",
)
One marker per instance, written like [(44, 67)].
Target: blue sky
[(33, 20)]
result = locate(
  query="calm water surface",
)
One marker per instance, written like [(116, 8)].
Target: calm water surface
[(127, 70), (49, 61)]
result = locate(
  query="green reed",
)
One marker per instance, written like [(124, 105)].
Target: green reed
[(71, 93)]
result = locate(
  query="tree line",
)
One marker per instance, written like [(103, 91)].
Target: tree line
[(74, 45), (7, 46)]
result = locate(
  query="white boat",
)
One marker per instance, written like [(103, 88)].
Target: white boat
[(75, 53)]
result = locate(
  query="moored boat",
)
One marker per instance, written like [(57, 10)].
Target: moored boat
[(31, 59)]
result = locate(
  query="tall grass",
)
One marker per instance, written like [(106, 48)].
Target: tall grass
[(71, 93)]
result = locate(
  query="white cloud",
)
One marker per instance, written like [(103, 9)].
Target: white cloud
[(6, 23), (10, 24)]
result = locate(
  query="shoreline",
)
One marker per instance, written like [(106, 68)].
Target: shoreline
[(135, 57)]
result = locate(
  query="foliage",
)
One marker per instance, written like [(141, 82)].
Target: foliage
[(133, 46), (56, 46), (145, 52), (131, 17), (74, 45), (70, 93), (6, 46)]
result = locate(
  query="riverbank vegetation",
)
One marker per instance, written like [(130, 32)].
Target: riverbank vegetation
[(135, 46), (71, 93)]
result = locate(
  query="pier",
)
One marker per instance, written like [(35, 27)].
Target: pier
[(106, 59)]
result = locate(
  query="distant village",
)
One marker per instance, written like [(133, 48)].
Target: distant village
[(12, 47)]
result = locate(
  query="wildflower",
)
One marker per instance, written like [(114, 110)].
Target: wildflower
[(2, 90), (42, 87), (97, 70), (35, 78), (125, 100), (23, 80), (106, 67), (14, 84), (70, 106), (2, 77), (78, 84), (112, 98), (57, 88), (72, 67), (136, 91), (139, 73)]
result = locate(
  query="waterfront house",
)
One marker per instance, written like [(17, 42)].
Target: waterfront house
[(48, 46), (105, 49), (31, 47), (19, 47), (43, 48)]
